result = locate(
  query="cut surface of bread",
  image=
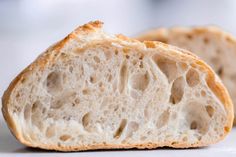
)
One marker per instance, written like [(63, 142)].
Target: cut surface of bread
[(97, 91), (216, 47)]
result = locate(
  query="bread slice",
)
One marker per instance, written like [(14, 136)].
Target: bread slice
[(212, 44), (97, 91)]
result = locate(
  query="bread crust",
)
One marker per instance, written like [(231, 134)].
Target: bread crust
[(90, 29)]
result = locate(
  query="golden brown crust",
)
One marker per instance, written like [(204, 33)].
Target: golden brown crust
[(91, 27), (123, 146)]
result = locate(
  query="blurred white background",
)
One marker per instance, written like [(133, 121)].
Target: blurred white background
[(28, 27)]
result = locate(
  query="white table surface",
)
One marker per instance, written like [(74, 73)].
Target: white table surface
[(28, 27)]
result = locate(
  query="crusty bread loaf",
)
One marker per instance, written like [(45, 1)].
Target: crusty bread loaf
[(213, 45), (97, 91)]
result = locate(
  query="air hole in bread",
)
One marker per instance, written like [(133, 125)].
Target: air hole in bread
[(105, 112), (92, 79), (62, 99), (86, 120), (116, 52), (18, 95), (86, 91), (134, 61), (193, 125), (220, 71), (174, 143), (17, 109), (65, 137), (177, 90), (139, 81), (77, 101), (141, 57), (101, 86), (163, 119), (210, 110), (143, 138), (205, 40), (108, 54), (131, 128), (50, 132), (54, 83), (189, 36), (36, 107), (96, 59), (149, 132), (115, 108), (57, 104), (67, 117), (36, 117), (120, 129), (71, 69), (123, 77), (44, 110), (27, 112), (147, 112), (199, 138), (103, 119), (203, 93), (109, 78), (141, 64), (192, 77), (167, 66)]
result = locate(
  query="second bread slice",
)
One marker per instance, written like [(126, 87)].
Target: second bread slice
[(216, 47)]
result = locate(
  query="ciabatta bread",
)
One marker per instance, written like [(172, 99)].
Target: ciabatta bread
[(213, 45), (97, 91)]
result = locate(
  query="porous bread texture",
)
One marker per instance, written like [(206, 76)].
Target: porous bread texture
[(96, 91), (211, 44)]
